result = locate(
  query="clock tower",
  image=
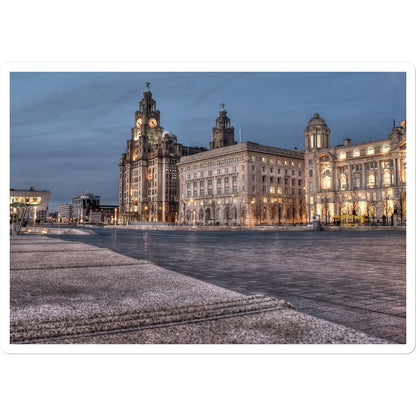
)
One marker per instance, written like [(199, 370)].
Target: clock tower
[(222, 133), (147, 119)]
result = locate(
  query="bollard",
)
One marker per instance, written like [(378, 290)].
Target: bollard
[(317, 222)]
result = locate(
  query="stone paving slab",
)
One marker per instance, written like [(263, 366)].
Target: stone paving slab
[(57, 293), (98, 296), (68, 258), (47, 247)]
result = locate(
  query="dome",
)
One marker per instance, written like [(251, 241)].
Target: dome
[(167, 133), (316, 121)]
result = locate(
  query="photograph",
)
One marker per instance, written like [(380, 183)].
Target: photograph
[(242, 207)]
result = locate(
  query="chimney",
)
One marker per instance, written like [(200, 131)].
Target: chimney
[(347, 141)]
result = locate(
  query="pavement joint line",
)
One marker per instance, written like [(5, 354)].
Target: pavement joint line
[(84, 266), (55, 251), (151, 326), (22, 330), (349, 306)]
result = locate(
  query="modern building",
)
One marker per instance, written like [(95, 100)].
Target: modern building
[(35, 203), (241, 184), (65, 213), (363, 179), (149, 181), (83, 204)]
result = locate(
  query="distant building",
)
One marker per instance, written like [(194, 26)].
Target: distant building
[(108, 213), (149, 180), (65, 213), (94, 217), (83, 204), (36, 202), (363, 179), (241, 184)]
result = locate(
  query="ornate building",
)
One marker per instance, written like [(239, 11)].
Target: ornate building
[(149, 181), (241, 184), (366, 179)]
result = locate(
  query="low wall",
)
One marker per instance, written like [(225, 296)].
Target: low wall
[(53, 230)]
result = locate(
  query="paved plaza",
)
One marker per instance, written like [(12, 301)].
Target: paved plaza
[(357, 279), (69, 292)]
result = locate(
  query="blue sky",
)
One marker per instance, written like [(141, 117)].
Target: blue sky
[(69, 129)]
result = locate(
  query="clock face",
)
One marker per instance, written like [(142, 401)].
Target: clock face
[(152, 122), (139, 122)]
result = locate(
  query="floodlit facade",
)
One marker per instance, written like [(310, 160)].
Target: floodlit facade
[(241, 184), (364, 179), (149, 181)]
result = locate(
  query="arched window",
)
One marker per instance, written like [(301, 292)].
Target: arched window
[(326, 179), (386, 147), (370, 150), (342, 155), (356, 153)]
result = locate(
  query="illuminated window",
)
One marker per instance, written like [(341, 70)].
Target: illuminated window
[(370, 150), (272, 189), (343, 182), (342, 155), (386, 178), (326, 179), (371, 180), (311, 140), (318, 140), (356, 153), (386, 147)]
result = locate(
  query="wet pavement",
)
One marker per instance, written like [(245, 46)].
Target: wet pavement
[(357, 279)]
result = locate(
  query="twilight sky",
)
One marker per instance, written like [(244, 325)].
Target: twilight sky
[(69, 129)]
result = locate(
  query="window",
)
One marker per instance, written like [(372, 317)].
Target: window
[(356, 153), (343, 182), (370, 150), (386, 147), (371, 180), (326, 179), (342, 155), (356, 181), (386, 178)]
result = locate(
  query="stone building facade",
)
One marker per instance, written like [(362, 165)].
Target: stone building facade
[(149, 181), (241, 184), (363, 179)]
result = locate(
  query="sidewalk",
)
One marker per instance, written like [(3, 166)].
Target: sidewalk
[(63, 292)]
